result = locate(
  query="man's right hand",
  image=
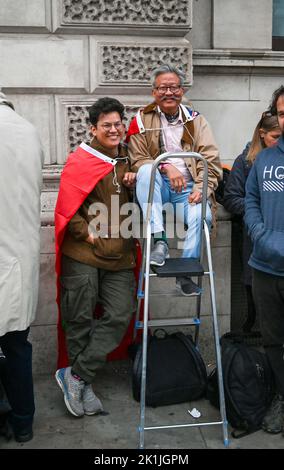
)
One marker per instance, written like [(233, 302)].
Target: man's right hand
[(177, 180)]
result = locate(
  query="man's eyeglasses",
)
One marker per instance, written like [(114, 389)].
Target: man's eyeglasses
[(107, 127), (163, 89)]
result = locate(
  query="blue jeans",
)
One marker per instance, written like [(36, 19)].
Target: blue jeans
[(190, 214), (17, 379)]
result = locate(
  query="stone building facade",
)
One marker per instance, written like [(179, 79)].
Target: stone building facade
[(58, 56)]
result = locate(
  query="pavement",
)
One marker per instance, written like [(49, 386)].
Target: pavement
[(56, 428)]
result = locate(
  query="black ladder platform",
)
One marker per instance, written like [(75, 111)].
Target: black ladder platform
[(175, 267)]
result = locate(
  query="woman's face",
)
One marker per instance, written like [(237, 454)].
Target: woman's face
[(109, 130), (270, 137)]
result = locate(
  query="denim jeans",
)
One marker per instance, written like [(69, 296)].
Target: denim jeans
[(17, 379), (190, 214)]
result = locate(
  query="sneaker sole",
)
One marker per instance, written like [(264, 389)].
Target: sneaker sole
[(193, 294), (154, 263), (60, 383), (92, 413)]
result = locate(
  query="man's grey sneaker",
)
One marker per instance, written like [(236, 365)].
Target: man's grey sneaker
[(274, 419), (159, 253), (91, 403), (187, 287), (72, 390)]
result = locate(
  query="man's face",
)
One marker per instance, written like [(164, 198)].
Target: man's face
[(280, 112), (168, 99)]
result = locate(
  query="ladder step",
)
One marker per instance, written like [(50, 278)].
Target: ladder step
[(170, 322), (172, 293), (175, 267)]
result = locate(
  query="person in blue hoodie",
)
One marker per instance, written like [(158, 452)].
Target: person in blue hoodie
[(264, 218), (266, 134)]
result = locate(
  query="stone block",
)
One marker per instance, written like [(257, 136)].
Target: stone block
[(47, 240), (44, 341), (263, 86), (47, 308), (25, 15), (219, 87), (223, 238), (232, 122), (201, 32), (206, 338), (106, 17), (48, 201), (129, 62), (243, 24), (39, 110), (44, 63)]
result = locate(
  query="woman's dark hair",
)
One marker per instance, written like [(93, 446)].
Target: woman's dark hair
[(104, 106), (277, 93)]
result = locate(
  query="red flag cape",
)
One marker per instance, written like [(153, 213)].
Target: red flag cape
[(83, 170), (133, 129)]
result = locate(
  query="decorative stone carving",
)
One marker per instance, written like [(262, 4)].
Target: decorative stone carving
[(137, 12), (133, 64), (78, 123)]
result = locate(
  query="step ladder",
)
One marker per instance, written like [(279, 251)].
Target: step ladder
[(177, 267)]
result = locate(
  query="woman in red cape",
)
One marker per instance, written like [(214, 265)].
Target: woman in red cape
[(87, 169)]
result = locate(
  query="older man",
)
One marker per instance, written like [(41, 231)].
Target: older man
[(167, 126), (21, 160)]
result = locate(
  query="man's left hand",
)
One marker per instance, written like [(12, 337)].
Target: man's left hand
[(195, 197)]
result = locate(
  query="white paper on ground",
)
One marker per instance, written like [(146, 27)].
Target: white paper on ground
[(194, 413)]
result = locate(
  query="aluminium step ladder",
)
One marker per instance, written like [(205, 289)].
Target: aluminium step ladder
[(177, 267)]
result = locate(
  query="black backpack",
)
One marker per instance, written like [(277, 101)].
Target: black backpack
[(176, 372), (248, 384)]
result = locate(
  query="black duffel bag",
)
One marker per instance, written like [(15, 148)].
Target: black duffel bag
[(176, 372)]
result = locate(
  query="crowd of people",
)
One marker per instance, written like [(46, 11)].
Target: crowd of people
[(97, 263)]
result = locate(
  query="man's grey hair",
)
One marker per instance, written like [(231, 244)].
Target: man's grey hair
[(167, 69)]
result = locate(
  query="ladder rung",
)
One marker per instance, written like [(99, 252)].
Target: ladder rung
[(170, 322), (172, 293)]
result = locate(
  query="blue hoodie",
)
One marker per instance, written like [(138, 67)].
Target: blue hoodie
[(264, 210)]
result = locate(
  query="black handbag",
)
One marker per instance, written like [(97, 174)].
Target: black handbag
[(176, 372)]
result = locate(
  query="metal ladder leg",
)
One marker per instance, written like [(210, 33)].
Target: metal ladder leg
[(140, 294), (216, 336), (145, 273)]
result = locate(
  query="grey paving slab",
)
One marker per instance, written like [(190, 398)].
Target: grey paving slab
[(55, 428)]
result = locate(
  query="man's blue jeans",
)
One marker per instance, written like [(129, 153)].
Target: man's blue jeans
[(189, 214), (17, 379)]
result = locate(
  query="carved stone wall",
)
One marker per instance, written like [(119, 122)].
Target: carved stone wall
[(133, 64), (158, 16), (157, 12)]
